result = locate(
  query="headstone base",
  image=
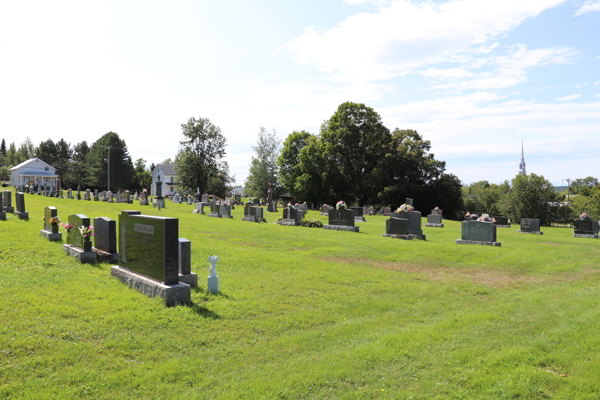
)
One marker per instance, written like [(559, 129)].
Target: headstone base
[(287, 222), (22, 215), (178, 293), (84, 257), (189, 279), (405, 237), (104, 256), (497, 244), (143, 202), (532, 232), (359, 219), (502, 226), (432, 225), (2, 215), (219, 216), (53, 237), (343, 228), (254, 219), (9, 209), (583, 235)]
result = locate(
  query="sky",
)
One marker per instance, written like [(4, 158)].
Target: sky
[(475, 77)]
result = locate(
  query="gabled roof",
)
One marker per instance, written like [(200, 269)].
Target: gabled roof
[(31, 160), (166, 169)]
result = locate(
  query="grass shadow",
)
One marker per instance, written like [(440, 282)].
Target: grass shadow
[(203, 311)]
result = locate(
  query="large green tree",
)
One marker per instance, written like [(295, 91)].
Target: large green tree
[(202, 148), (288, 160), (143, 178), (531, 197), (355, 142), (11, 156), (121, 166), (263, 166), (589, 203)]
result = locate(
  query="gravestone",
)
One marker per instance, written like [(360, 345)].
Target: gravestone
[(50, 230), (530, 225), (127, 197), (342, 220), (177, 199), (291, 216), (20, 200), (190, 199), (436, 212), (2, 213), (584, 228), (397, 228), (272, 206), (253, 214), (185, 263), (220, 211), (434, 221), (478, 232), (77, 246), (69, 194), (149, 256), (61, 194), (105, 241), (118, 196), (144, 198), (324, 210), (7, 202), (358, 214), (414, 223), (501, 222), (78, 192), (109, 197), (386, 211), (159, 197), (409, 202), (214, 284), (205, 198), (199, 208)]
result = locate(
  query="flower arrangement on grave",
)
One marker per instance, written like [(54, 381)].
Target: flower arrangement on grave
[(404, 208), (474, 216), (54, 220), (340, 205), (584, 216), (437, 208), (67, 227), (86, 232), (486, 218), (468, 215)]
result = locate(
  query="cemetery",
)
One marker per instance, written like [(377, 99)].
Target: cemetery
[(290, 301)]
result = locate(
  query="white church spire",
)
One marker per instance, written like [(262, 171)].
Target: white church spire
[(522, 163)]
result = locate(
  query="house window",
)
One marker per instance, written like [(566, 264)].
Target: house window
[(47, 169)]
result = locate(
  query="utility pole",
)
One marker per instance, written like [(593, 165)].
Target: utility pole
[(108, 147), (569, 191)]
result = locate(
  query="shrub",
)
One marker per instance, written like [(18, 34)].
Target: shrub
[(311, 223)]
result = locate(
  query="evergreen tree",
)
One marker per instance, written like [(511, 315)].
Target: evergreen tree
[(263, 167), (121, 166)]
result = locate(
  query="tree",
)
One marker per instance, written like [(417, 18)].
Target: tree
[(531, 197), (27, 150), (202, 148), (263, 167), (121, 167), (354, 145), (11, 155), (143, 176), (47, 152), (167, 161), (221, 183), (589, 204), (444, 192), (2, 152), (310, 183), (584, 185), (289, 160)]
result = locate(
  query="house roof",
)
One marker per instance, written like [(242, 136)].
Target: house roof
[(166, 169), (38, 173), (30, 161)]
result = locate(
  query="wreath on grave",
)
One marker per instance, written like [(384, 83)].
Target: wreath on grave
[(340, 205)]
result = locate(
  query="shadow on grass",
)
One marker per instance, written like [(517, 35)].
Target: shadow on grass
[(203, 311), (199, 290)]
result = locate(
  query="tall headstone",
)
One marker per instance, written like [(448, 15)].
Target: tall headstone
[(50, 230), (530, 225), (126, 198), (478, 232), (109, 197), (149, 256), (7, 202), (342, 220), (144, 198), (185, 263), (69, 194), (190, 200), (159, 196), (20, 200), (205, 198), (86, 195), (105, 241), (78, 192), (291, 216)]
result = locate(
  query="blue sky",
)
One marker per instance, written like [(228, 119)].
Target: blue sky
[(472, 76)]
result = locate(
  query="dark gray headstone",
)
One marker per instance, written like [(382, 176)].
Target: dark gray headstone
[(185, 256), (434, 219), (256, 212), (293, 214), (530, 225), (342, 217), (150, 246), (20, 200), (409, 201), (7, 200), (478, 231), (584, 227), (358, 211), (501, 220), (74, 237), (106, 234), (396, 226), (414, 221), (49, 213)]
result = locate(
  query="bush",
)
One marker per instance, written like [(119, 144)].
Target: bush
[(311, 223)]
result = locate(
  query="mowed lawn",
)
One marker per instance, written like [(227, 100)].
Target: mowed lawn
[(304, 313)]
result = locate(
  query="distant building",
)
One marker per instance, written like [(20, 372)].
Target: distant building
[(522, 163), (167, 175), (238, 191), (33, 172)]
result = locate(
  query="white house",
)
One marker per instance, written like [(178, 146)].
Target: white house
[(167, 177), (33, 172)]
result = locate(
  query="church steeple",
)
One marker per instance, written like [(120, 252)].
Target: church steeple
[(522, 163)]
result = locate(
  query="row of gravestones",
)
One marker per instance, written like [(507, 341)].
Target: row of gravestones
[(6, 205), (152, 258)]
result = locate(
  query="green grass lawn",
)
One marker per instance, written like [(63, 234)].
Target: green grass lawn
[(304, 313)]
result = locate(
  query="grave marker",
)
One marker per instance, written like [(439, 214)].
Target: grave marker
[(342, 220), (530, 225), (478, 232), (77, 245), (20, 200), (50, 230), (105, 241)]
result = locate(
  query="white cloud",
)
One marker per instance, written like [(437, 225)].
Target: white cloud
[(597, 84), (569, 98), (589, 6), (580, 85), (407, 35), (448, 73)]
